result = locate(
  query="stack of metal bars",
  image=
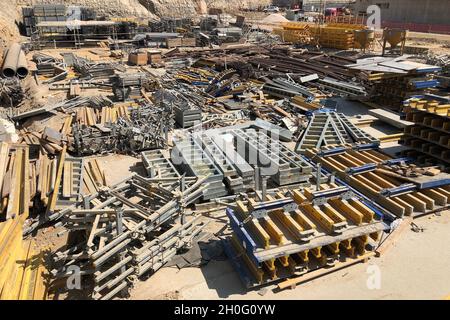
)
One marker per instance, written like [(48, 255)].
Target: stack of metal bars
[(131, 229)]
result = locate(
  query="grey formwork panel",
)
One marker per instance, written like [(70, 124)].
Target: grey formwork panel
[(77, 184), (356, 133), (158, 165), (286, 166), (190, 158), (231, 177), (187, 117), (242, 167)]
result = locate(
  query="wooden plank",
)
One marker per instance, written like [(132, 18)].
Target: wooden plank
[(14, 196), (67, 179), (4, 153), (25, 192)]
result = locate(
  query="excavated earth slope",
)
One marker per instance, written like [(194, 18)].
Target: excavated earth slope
[(10, 14)]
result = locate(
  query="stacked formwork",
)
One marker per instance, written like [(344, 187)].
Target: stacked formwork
[(232, 179), (243, 168), (400, 188), (331, 128), (391, 89), (274, 159), (296, 232), (429, 137), (190, 157), (44, 13), (186, 116), (158, 165), (331, 35)]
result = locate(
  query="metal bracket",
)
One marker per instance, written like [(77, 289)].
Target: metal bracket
[(402, 189)]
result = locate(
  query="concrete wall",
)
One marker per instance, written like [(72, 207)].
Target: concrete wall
[(410, 11)]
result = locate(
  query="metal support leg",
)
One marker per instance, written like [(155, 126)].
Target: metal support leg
[(119, 227), (318, 177)]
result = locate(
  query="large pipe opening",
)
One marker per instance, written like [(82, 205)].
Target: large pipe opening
[(8, 72), (22, 72)]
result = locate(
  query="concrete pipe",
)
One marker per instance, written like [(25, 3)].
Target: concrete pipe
[(9, 68), (22, 66)]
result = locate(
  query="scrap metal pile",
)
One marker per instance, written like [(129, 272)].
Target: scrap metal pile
[(11, 92), (251, 127), (144, 128), (127, 231)]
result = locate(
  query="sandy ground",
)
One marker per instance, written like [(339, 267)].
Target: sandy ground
[(415, 267)]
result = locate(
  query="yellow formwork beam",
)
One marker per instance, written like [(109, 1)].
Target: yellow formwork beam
[(299, 197), (367, 213), (440, 198), (429, 201), (361, 183), (303, 220), (316, 252), (272, 229), (287, 221), (332, 213), (259, 233), (292, 264), (284, 261), (353, 214), (348, 248), (417, 204), (360, 243), (334, 247), (318, 215), (303, 255)]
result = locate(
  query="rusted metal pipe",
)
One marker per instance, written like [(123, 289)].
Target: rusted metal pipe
[(9, 68), (22, 66)]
